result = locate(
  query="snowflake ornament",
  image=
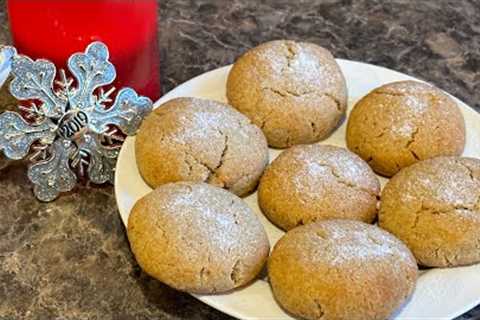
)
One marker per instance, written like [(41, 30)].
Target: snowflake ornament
[(70, 128)]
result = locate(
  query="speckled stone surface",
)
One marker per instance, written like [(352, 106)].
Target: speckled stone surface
[(70, 259)]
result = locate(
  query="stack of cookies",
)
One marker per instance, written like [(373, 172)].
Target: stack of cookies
[(195, 233)]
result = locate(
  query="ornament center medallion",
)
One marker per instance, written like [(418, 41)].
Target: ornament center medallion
[(72, 123)]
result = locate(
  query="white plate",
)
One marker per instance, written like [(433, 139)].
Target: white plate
[(440, 293)]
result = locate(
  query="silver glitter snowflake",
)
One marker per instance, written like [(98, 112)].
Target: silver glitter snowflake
[(70, 128)]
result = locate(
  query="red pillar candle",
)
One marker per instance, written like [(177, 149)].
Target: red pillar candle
[(54, 29)]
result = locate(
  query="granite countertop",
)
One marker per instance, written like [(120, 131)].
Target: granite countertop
[(70, 259)]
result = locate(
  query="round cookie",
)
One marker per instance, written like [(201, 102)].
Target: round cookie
[(341, 269), (197, 238), (434, 207), (294, 91), (313, 182), (403, 122), (190, 139)]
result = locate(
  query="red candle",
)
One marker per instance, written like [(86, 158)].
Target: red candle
[(54, 29)]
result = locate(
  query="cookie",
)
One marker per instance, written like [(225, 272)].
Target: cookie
[(404, 122), (434, 207), (190, 139), (341, 269), (294, 91), (197, 238), (307, 183)]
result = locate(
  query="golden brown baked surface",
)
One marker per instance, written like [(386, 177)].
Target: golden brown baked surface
[(190, 139), (313, 182), (197, 238), (294, 91), (403, 122), (434, 207), (341, 269)]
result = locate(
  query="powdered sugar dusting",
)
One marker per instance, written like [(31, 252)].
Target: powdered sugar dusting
[(345, 243)]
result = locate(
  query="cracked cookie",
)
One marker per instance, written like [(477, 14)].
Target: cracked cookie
[(190, 139), (341, 269), (403, 122), (197, 238), (313, 182), (294, 91), (434, 207)]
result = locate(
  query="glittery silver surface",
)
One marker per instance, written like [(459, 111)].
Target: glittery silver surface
[(68, 127)]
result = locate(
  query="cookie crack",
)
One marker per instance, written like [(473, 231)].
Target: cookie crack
[(212, 171), (265, 119), (319, 309), (235, 274), (224, 151), (374, 240), (221, 161), (448, 209), (416, 221), (290, 56), (390, 93), (476, 205), (335, 100), (413, 135), (284, 93), (321, 235), (204, 273), (276, 91), (469, 170), (189, 165), (349, 184), (190, 153), (447, 260), (162, 232), (414, 155), (288, 93), (411, 139), (314, 128)]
